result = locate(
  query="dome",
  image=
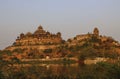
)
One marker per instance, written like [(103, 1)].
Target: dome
[(22, 35), (59, 34), (40, 30), (40, 27), (28, 34)]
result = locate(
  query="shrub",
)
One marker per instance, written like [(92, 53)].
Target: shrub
[(87, 53), (47, 51), (18, 50)]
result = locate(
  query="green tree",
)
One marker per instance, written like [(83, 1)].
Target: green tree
[(7, 52), (47, 51), (88, 52), (18, 50)]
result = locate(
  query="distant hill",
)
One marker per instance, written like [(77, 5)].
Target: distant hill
[(43, 44)]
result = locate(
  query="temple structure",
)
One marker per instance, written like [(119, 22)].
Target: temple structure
[(86, 36), (96, 31), (39, 37), (43, 44)]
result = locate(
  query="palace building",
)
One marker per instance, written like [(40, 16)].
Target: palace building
[(39, 37)]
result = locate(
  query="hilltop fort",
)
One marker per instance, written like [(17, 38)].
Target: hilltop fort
[(39, 37), (43, 44)]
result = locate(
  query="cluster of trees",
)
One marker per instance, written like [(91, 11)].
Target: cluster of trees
[(101, 70), (94, 47)]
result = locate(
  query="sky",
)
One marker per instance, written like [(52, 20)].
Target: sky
[(70, 17)]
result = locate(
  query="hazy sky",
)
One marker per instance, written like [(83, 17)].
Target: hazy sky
[(70, 17)]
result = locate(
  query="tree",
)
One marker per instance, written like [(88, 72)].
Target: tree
[(94, 39), (47, 51), (88, 52), (18, 50), (7, 52)]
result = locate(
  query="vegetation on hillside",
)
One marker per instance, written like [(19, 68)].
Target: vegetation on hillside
[(101, 70), (83, 47)]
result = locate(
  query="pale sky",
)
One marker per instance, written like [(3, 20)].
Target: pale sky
[(70, 17)]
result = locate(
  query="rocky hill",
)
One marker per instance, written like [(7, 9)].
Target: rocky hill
[(43, 44)]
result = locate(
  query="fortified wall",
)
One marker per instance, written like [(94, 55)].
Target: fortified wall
[(40, 39)]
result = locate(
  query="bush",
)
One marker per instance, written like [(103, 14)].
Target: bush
[(8, 52), (94, 39), (1, 75), (18, 50), (69, 55), (47, 51), (87, 53)]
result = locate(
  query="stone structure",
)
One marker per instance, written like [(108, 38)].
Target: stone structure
[(96, 31), (39, 37), (80, 39), (86, 36), (43, 44)]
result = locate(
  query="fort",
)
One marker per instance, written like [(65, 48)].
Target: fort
[(42, 39), (86, 36), (43, 44), (83, 38), (39, 37)]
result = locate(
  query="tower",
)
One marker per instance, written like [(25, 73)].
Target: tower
[(96, 31), (40, 31)]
